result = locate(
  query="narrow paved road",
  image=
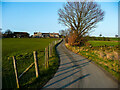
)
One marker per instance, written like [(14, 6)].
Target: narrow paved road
[(77, 72)]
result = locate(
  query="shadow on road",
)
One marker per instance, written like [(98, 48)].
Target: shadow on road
[(73, 61), (75, 65), (66, 78), (68, 70), (79, 78)]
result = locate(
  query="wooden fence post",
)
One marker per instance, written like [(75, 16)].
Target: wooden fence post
[(52, 46), (46, 58), (50, 50), (36, 63), (55, 42), (16, 73)]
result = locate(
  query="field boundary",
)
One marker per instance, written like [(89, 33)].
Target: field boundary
[(48, 53)]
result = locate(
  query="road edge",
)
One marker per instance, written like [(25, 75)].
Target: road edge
[(106, 72)]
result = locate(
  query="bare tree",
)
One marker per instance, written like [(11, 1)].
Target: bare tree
[(80, 17), (8, 31), (62, 32)]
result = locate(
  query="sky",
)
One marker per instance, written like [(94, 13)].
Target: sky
[(43, 17), (55, 0)]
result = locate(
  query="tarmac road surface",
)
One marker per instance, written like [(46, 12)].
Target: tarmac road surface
[(76, 71)]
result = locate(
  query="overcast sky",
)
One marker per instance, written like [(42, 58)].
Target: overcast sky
[(42, 16)]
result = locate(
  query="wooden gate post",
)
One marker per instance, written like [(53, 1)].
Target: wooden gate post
[(16, 73), (36, 63)]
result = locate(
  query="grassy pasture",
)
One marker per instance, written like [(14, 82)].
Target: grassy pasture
[(23, 49), (114, 39), (103, 39), (11, 46), (102, 43)]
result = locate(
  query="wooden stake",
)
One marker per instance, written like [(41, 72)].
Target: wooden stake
[(16, 74), (52, 47), (46, 58), (36, 63), (50, 51), (55, 42)]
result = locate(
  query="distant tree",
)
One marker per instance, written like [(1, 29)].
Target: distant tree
[(9, 33), (80, 18), (62, 32), (100, 35), (116, 36), (67, 32)]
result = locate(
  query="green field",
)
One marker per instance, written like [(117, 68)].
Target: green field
[(114, 39), (23, 49), (11, 46), (103, 39), (102, 43)]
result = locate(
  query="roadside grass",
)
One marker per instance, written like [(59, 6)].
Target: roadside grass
[(106, 64), (102, 43), (110, 65), (23, 50)]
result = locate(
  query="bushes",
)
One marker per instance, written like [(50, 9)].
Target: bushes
[(72, 39), (75, 39)]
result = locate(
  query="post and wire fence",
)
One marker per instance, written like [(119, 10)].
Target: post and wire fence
[(49, 51), (48, 54)]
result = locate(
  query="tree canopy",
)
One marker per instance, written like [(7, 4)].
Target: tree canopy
[(80, 17)]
